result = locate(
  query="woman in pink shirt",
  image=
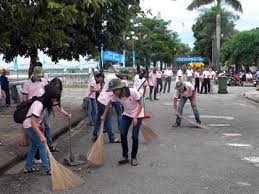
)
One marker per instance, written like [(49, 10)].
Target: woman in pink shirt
[(133, 112), (34, 127), (152, 84)]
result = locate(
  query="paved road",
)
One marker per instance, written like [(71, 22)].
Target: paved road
[(220, 159)]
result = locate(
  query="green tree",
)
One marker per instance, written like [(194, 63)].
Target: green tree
[(63, 29), (242, 49), (235, 4), (156, 42), (204, 31)]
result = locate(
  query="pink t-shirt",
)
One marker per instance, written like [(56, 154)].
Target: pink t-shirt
[(95, 86), (130, 103), (36, 110), (104, 96), (158, 74), (188, 93), (34, 88), (152, 79)]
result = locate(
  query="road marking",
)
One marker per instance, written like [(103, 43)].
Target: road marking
[(243, 184), (252, 159), (239, 145), (219, 125), (231, 134), (214, 117)]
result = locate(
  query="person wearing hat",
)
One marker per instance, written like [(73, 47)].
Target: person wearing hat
[(133, 113), (5, 87), (102, 102), (185, 91)]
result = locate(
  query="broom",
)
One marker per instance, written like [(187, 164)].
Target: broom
[(193, 123), (148, 133), (62, 178), (95, 154)]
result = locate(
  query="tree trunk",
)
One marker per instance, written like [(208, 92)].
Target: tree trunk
[(218, 37), (34, 57)]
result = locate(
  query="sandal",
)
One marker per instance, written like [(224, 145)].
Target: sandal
[(115, 141), (31, 170), (48, 172), (123, 160), (134, 162), (53, 149)]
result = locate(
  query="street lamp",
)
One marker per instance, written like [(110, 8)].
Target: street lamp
[(133, 38)]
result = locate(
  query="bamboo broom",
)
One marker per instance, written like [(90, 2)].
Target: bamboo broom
[(95, 154), (148, 133), (193, 123), (62, 178)]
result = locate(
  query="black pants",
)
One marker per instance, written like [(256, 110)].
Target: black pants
[(7, 96), (197, 85), (159, 83), (151, 90), (208, 84), (167, 82), (205, 85)]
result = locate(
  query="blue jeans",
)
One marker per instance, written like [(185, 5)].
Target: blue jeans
[(34, 145), (47, 133), (118, 109), (91, 110), (126, 122), (107, 122), (180, 110)]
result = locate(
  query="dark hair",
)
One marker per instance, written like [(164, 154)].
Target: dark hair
[(38, 64), (50, 93), (56, 82), (125, 90)]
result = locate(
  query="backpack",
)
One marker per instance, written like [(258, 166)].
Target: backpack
[(22, 109)]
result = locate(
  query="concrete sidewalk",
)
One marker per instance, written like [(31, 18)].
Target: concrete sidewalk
[(252, 95), (11, 133)]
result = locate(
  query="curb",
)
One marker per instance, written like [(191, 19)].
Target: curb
[(19, 157)]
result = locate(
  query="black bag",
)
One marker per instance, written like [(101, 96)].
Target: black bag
[(22, 109)]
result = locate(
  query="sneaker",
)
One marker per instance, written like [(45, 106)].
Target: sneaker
[(37, 161)]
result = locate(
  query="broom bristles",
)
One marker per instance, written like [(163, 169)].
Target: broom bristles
[(193, 123), (95, 154), (62, 178), (148, 133)]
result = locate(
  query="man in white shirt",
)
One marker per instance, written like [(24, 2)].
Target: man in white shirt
[(212, 75), (189, 73), (179, 75), (249, 77), (168, 78), (205, 84)]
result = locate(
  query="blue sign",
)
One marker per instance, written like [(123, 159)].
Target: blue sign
[(111, 56), (189, 59)]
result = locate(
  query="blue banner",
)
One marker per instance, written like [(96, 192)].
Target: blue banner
[(189, 59), (111, 56)]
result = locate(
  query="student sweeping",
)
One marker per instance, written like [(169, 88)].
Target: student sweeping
[(34, 127), (133, 112)]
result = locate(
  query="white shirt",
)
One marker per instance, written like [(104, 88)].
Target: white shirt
[(249, 76), (197, 74), (179, 73), (138, 82), (168, 73), (189, 72), (212, 74), (206, 74)]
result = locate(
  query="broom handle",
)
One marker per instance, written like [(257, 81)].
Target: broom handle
[(70, 143)]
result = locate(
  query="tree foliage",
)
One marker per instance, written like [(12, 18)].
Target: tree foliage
[(204, 30), (63, 29), (242, 48), (156, 42)]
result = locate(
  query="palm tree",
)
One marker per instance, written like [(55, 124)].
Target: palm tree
[(235, 4)]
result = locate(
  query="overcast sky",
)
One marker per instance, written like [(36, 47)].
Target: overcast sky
[(182, 19)]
